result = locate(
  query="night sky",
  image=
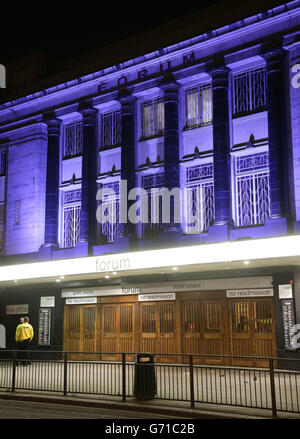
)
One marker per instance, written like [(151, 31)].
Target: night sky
[(72, 35), (65, 35)]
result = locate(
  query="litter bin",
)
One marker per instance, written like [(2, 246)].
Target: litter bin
[(144, 377)]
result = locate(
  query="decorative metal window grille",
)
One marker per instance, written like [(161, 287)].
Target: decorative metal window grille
[(198, 106), (111, 129), (150, 230), (195, 173), (110, 230), (2, 228), (153, 118), (73, 139), (252, 189), (200, 203), (17, 212), (2, 162), (249, 91), (71, 218)]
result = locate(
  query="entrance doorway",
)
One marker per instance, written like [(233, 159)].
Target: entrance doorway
[(203, 329), (118, 330), (252, 330), (158, 329), (80, 329)]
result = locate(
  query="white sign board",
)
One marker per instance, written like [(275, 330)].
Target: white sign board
[(16, 309), (151, 297), (285, 291), (261, 292), (47, 302), (81, 301), (255, 282)]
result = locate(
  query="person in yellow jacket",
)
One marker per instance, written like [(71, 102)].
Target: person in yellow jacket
[(24, 336)]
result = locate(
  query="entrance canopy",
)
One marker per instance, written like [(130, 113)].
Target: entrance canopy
[(266, 252)]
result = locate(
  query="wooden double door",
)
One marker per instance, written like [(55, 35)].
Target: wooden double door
[(229, 327), (252, 330), (80, 331), (118, 330), (159, 331)]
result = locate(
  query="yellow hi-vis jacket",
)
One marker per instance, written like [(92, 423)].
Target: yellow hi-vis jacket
[(24, 331)]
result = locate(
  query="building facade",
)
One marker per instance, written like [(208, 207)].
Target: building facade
[(89, 250)]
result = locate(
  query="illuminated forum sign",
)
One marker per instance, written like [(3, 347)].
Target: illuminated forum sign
[(258, 249)]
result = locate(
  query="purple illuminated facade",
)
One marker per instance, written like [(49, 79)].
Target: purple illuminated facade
[(217, 115)]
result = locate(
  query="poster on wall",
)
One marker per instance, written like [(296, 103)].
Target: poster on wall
[(16, 309), (285, 291), (44, 326), (47, 302), (288, 322)]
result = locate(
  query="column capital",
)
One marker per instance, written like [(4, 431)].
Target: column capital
[(168, 80), (274, 58), (88, 112), (125, 95), (53, 123), (219, 74), (170, 88)]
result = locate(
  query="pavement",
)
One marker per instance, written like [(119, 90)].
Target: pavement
[(154, 407)]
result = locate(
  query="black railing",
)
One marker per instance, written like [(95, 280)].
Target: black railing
[(189, 378)]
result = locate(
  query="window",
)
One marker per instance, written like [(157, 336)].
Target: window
[(73, 139), (111, 129), (199, 198), (249, 91), (252, 199), (198, 106), (154, 226), (71, 218), (153, 118), (110, 229)]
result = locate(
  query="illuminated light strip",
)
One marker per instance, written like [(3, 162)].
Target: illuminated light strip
[(266, 248)]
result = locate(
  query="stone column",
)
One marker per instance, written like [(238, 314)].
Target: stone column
[(52, 181), (275, 91), (221, 148), (294, 137), (171, 146), (128, 142), (88, 177)]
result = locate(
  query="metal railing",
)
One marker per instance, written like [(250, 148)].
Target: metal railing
[(189, 378)]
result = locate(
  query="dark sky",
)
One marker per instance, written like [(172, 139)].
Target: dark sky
[(64, 33), (81, 27)]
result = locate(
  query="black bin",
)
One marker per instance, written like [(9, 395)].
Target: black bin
[(144, 377)]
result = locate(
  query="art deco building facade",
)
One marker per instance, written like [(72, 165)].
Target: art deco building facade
[(217, 116)]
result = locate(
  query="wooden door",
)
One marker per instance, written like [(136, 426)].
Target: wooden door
[(80, 331), (252, 330), (264, 338), (191, 322), (241, 330), (158, 329), (203, 329), (213, 330), (118, 332)]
